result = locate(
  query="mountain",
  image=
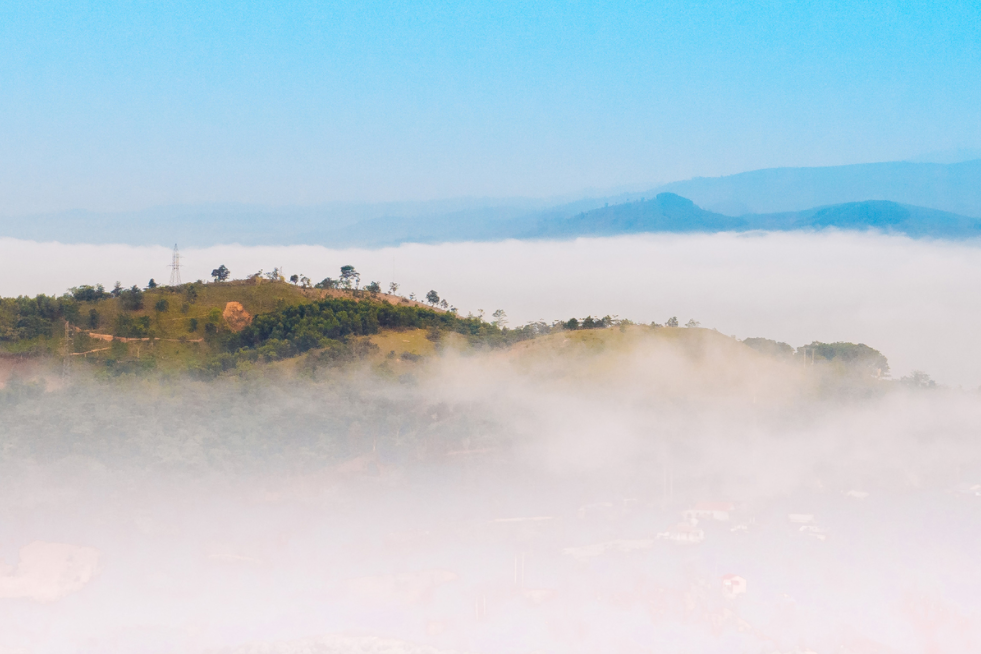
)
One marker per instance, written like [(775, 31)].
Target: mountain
[(668, 212), (875, 214), (919, 199), (947, 187)]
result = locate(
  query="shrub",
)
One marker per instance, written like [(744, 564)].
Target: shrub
[(131, 298), (86, 293), (132, 326)]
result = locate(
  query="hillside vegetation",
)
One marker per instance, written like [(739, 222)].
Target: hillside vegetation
[(220, 328), (214, 327)]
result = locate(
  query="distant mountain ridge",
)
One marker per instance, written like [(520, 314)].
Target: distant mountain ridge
[(955, 188), (672, 213), (917, 199)]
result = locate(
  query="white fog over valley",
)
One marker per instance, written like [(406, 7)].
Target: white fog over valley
[(630, 489), (490, 327), (629, 494)]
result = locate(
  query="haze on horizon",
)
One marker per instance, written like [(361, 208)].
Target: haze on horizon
[(118, 107)]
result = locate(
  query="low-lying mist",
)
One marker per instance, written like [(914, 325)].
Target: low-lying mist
[(611, 491), (907, 298)]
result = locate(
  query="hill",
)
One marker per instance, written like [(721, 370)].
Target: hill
[(954, 188), (209, 328), (665, 213), (875, 214), (668, 212)]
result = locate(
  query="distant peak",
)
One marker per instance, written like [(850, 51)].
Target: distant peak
[(673, 200)]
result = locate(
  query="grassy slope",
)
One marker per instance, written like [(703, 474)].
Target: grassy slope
[(597, 354), (175, 346), (175, 321)]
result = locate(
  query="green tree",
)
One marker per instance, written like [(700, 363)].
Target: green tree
[(151, 284), (672, 322), (131, 298), (87, 293), (350, 276), (770, 347), (221, 273), (851, 356), (295, 279), (213, 321), (162, 305), (132, 326)]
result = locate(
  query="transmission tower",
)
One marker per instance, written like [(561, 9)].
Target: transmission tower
[(175, 268)]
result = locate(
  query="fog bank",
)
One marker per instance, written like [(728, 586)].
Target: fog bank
[(911, 299), (647, 491)]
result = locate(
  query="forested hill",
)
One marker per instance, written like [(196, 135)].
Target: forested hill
[(215, 327), (269, 325)]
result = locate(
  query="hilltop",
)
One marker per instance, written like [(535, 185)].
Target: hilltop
[(224, 328), (204, 326)]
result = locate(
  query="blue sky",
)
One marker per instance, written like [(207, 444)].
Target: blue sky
[(114, 106)]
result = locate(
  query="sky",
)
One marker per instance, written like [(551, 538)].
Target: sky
[(902, 296), (111, 106)]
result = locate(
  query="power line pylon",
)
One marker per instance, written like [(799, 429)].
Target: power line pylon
[(175, 268)]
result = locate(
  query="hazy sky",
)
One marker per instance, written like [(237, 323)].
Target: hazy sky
[(120, 105)]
